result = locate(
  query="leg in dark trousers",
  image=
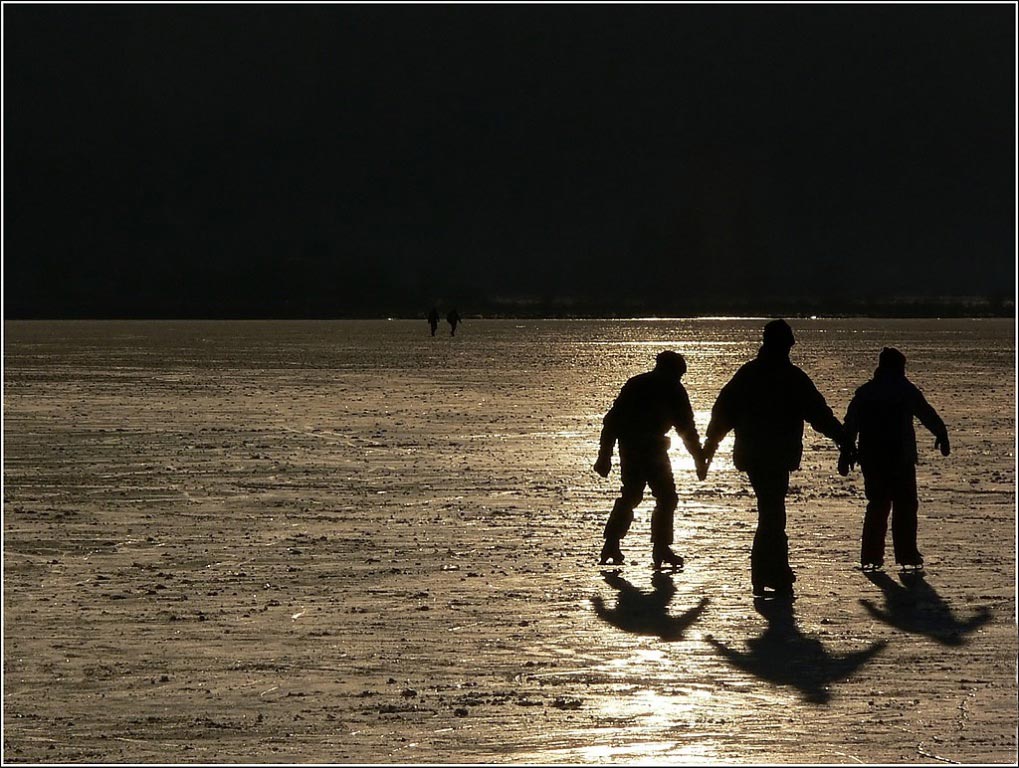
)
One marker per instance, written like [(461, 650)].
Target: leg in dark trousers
[(633, 472), (878, 488), (663, 488), (904, 509), (769, 559)]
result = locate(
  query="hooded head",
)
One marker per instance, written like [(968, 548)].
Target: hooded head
[(778, 336), (891, 361), (671, 364)]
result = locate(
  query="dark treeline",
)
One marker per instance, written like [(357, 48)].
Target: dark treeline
[(142, 306), (996, 306)]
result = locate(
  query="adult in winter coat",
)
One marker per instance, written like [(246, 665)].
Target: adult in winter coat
[(766, 404), (648, 406), (881, 414)]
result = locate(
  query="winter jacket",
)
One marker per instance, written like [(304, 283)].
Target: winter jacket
[(766, 403), (882, 412), (647, 407)]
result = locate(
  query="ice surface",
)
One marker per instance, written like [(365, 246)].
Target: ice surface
[(353, 542)]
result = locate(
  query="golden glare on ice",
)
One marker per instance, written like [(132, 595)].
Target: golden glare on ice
[(352, 542)]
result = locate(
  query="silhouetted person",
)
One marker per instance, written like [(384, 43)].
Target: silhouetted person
[(646, 614), (766, 403), (433, 319), (647, 407), (882, 413), (453, 318)]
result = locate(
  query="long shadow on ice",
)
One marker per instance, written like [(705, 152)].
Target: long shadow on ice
[(784, 656), (646, 613), (914, 606)]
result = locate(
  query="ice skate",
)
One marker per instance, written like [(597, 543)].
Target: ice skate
[(664, 555), (611, 551), (912, 564), (784, 592)]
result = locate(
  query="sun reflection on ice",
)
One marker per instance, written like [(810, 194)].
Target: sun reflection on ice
[(651, 708), (649, 715), (647, 751), (682, 461)]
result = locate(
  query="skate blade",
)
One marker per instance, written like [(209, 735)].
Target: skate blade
[(667, 566), (775, 597)]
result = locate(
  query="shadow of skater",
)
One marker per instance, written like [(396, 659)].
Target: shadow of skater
[(784, 656), (644, 613), (914, 606)]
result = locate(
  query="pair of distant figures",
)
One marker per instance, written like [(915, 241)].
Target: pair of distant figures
[(766, 404), (452, 317)]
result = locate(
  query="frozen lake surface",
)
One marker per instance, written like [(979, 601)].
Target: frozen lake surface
[(353, 542)]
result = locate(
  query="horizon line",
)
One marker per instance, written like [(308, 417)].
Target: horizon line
[(502, 316)]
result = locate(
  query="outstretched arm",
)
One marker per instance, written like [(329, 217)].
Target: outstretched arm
[(722, 421), (606, 444), (819, 415), (693, 445), (607, 440), (851, 427), (686, 428), (930, 419)]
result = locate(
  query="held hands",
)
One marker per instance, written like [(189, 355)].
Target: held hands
[(700, 464), (942, 442), (707, 454), (847, 460), (604, 464)]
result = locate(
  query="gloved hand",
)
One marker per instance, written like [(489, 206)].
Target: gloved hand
[(701, 465), (847, 460), (604, 464), (942, 442)]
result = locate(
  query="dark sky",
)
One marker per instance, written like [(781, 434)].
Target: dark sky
[(361, 160)]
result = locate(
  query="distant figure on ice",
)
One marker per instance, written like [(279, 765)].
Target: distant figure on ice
[(453, 318), (881, 413), (766, 403), (433, 319), (648, 406)]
